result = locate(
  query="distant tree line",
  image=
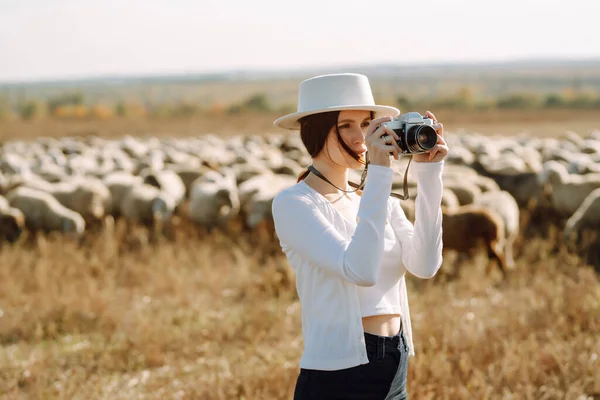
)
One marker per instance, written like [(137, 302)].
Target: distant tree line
[(73, 105), (465, 99)]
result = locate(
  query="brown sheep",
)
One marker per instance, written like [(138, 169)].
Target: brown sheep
[(467, 228)]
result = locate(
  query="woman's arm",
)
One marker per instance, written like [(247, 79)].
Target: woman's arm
[(301, 226), (422, 243)]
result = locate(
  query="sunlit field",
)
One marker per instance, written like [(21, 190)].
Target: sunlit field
[(215, 316), (489, 122), (208, 316)]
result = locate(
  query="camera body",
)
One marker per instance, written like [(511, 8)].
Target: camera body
[(415, 131)]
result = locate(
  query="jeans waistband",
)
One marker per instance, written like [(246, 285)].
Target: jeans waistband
[(380, 343)]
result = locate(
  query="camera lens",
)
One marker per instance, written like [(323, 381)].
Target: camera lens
[(421, 138)]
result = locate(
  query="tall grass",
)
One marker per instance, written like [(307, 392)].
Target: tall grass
[(213, 316)]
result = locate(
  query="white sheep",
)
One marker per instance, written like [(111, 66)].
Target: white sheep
[(256, 196), (449, 198), (245, 171), (43, 212), (168, 181), (485, 183), (85, 195), (586, 215), (567, 191), (188, 174), (525, 186), (148, 205), (465, 190), (4, 205), (119, 183), (214, 199)]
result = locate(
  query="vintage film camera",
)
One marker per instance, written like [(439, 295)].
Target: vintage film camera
[(415, 131)]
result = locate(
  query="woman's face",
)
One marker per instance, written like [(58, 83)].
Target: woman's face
[(352, 126)]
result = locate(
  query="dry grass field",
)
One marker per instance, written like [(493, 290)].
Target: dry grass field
[(215, 316), (488, 122)]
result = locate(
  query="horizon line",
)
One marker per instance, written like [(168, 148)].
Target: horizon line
[(237, 73)]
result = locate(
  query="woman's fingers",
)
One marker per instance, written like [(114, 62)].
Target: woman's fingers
[(391, 132), (390, 149), (438, 149), (441, 140), (375, 124), (438, 126)]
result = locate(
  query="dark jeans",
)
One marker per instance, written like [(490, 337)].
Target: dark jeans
[(383, 378)]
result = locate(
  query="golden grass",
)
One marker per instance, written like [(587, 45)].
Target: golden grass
[(211, 316), (490, 122)]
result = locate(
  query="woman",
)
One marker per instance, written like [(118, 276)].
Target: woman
[(349, 251)]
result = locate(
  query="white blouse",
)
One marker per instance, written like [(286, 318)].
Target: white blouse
[(339, 262)]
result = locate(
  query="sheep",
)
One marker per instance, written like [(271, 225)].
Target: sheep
[(12, 224), (3, 182), (256, 196), (188, 174), (13, 163), (118, 184), (467, 227), (4, 205), (485, 184), (480, 164), (505, 163), (449, 198), (454, 172), (466, 191), (214, 199), (567, 192), (168, 181), (586, 215), (43, 212), (460, 156), (287, 167), (245, 171), (147, 204), (12, 221), (525, 186), (85, 195), (506, 206)]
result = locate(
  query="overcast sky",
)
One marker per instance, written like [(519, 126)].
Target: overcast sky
[(45, 39)]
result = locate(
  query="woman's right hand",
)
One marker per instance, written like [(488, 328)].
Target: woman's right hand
[(379, 146)]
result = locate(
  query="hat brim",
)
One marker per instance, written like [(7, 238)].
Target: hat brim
[(290, 121)]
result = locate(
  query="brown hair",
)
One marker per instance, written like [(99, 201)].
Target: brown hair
[(314, 130)]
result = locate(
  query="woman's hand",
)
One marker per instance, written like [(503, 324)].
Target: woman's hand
[(440, 150), (381, 142)]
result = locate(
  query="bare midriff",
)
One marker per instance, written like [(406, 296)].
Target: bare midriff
[(383, 325)]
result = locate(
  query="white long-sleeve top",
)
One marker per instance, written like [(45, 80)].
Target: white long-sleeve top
[(333, 257)]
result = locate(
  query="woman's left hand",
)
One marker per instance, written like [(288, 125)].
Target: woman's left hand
[(440, 150)]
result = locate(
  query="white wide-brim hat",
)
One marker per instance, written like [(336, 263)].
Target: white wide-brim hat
[(334, 92)]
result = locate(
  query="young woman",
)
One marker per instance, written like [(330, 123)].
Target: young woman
[(350, 251)]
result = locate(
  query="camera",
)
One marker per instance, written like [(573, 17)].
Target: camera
[(415, 131)]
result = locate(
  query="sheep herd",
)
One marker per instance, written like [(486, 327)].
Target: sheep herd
[(73, 183)]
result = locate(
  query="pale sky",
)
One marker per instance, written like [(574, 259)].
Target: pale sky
[(47, 39)]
